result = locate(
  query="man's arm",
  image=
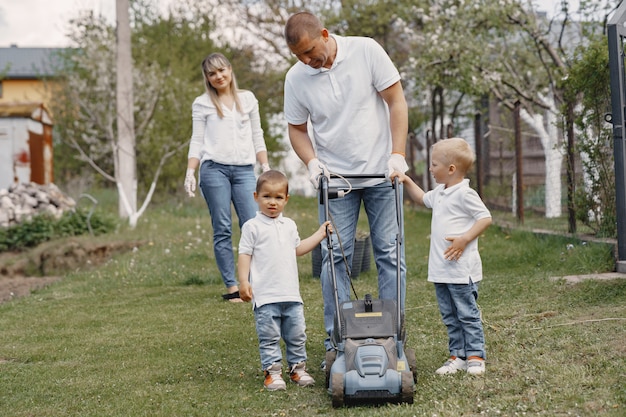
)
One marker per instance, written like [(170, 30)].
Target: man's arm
[(302, 145), (398, 116), (301, 142)]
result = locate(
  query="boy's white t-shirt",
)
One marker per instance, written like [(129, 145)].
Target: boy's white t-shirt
[(272, 243), (455, 210)]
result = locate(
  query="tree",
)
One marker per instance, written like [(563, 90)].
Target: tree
[(595, 200), (166, 61), (504, 49), (87, 117), (124, 154)]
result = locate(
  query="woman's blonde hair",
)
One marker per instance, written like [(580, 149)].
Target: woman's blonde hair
[(212, 63)]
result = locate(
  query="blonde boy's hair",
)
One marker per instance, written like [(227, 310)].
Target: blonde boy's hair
[(457, 152)]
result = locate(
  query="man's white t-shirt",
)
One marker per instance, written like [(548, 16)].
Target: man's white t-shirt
[(350, 120)]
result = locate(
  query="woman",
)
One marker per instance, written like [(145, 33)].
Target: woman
[(226, 140)]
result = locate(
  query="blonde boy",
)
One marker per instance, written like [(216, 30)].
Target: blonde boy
[(459, 216)]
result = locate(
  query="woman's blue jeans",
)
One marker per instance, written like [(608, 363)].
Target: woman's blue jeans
[(460, 313), (220, 185), (281, 320)]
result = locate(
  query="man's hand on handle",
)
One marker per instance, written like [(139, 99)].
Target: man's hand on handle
[(396, 163), (316, 168)]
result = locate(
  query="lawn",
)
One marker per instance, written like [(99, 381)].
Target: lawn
[(147, 333)]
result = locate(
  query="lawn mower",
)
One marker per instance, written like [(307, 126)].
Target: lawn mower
[(370, 362)]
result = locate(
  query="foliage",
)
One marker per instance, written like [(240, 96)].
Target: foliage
[(84, 107), (595, 195), (451, 55), (167, 53), (139, 336), (43, 228), (391, 24)]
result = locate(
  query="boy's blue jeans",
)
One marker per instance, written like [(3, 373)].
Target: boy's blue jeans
[(460, 314), (380, 207), (277, 320), (220, 185)]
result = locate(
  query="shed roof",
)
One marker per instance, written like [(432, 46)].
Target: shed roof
[(28, 63)]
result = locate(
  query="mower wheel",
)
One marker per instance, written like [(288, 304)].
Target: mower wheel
[(407, 388), (410, 358), (329, 360), (337, 394)]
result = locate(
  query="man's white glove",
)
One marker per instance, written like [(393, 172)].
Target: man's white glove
[(265, 167), (396, 162), (316, 168), (190, 182)]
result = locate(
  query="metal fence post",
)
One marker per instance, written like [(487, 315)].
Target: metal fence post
[(616, 33)]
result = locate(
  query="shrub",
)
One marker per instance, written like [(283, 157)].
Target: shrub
[(43, 228)]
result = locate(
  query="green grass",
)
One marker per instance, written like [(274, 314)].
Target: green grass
[(147, 334)]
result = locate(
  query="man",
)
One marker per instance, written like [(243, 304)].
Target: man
[(350, 93)]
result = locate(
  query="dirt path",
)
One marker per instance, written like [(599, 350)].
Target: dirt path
[(23, 272), (20, 286)]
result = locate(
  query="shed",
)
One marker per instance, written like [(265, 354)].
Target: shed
[(25, 144)]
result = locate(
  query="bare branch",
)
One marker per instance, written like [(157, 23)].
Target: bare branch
[(150, 112), (90, 161), (157, 173)]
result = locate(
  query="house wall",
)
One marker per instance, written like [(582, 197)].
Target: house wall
[(24, 90)]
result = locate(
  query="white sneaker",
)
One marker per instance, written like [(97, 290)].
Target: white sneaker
[(476, 366), (274, 378), (451, 366)]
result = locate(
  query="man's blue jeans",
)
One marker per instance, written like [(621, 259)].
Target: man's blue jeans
[(221, 184), (281, 320), (460, 314), (379, 203)]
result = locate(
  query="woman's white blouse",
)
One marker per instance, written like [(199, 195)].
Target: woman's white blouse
[(232, 140)]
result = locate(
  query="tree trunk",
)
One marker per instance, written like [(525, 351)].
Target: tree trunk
[(548, 135), (126, 164)]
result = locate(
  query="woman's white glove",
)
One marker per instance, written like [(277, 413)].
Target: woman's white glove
[(396, 162), (190, 182), (316, 168)]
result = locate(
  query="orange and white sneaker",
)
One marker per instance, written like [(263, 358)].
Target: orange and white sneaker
[(475, 365), (451, 366), (300, 376), (274, 378)]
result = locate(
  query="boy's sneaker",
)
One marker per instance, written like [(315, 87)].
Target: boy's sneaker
[(476, 366), (274, 378), (300, 376), (451, 366)]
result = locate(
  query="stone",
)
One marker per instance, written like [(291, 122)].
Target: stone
[(21, 202)]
